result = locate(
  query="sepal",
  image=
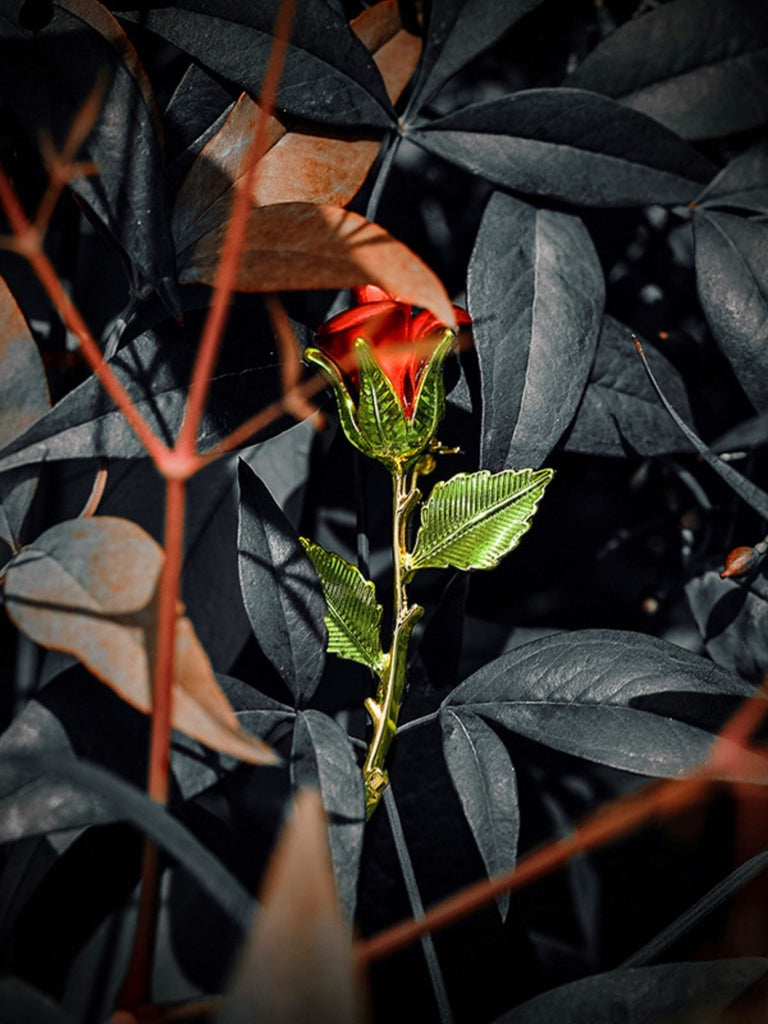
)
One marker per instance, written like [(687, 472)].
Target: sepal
[(430, 400), (344, 402)]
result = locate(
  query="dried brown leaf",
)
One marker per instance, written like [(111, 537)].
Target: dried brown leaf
[(88, 587), (293, 246), (395, 50), (297, 964)]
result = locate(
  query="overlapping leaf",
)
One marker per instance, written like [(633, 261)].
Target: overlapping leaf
[(484, 779), (569, 144), (87, 587), (23, 398), (620, 414), (354, 614), (281, 591), (712, 85), (292, 246), (591, 693), (322, 757), (474, 519), (732, 281), (328, 76), (47, 75), (535, 292), (690, 993)]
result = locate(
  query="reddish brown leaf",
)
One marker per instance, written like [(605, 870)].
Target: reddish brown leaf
[(294, 246), (87, 587), (23, 388), (297, 963), (205, 197)]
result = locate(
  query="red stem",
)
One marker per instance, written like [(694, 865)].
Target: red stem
[(226, 274), (165, 652), (137, 985)]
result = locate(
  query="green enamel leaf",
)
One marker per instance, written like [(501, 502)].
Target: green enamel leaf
[(474, 519), (354, 614)]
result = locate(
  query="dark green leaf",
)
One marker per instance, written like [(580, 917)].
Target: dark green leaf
[(753, 495), (457, 31), (20, 1003), (155, 370), (484, 779), (585, 693), (698, 66), (742, 183), (620, 414), (535, 292), (569, 144), (329, 76), (474, 519), (732, 281), (354, 614), (751, 433), (282, 593), (210, 582), (732, 617), (47, 75), (283, 463), (695, 993), (323, 757), (709, 902), (43, 794)]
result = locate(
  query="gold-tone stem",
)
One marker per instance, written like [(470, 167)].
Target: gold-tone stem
[(384, 710)]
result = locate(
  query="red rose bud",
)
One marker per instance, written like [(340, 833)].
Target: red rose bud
[(389, 327)]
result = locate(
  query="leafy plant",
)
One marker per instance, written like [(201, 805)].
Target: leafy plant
[(530, 783)]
